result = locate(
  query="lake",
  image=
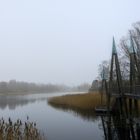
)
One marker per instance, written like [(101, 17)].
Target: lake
[(56, 124)]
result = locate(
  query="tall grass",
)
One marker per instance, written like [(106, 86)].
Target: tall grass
[(86, 101), (19, 130)]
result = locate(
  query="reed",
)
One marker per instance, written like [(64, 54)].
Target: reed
[(86, 101), (18, 130)]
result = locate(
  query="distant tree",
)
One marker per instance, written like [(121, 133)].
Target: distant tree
[(103, 70), (3, 87), (18, 87), (83, 87)]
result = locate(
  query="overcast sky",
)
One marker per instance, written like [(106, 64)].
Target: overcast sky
[(60, 41)]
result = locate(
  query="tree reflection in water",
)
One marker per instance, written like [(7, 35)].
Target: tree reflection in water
[(118, 127), (13, 101), (84, 114)]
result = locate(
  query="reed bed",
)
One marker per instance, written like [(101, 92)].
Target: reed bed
[(87, 101), (18, 130)]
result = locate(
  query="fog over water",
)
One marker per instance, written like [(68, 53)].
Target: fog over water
[(54, 124), (51, 41)]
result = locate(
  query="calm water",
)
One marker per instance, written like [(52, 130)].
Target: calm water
[(56, 124)]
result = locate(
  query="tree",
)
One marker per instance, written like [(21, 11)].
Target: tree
[(103, 70)]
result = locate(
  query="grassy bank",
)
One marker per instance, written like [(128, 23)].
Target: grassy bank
[(86, 101), (84, 104)]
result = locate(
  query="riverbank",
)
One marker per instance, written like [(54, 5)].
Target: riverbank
[(87, 101)]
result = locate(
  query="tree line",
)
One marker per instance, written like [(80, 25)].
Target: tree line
[(14, 86)]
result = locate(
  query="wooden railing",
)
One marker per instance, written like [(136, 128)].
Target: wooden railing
[(127, 89)]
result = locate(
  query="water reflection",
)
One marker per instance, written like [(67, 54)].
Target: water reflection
[(55, 124), (13, 101), (84, 114), (119, 127)]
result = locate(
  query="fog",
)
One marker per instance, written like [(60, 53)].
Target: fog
[(60, 41)]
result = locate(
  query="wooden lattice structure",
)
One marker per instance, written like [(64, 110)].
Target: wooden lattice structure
[(120, 117)]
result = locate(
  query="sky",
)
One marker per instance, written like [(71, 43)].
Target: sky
[(60, 41)]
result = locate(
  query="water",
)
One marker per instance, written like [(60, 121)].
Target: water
[(56, 124)]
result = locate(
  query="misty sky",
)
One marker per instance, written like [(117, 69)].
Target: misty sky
[(60, 41)]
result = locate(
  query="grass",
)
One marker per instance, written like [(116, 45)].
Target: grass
[(86, 101), (18, 130), (84, 104)]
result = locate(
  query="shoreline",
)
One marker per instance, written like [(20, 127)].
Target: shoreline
[(29, 93)]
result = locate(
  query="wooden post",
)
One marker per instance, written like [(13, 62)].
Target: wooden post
[(122, 100), (134, 69), (104, 128)]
